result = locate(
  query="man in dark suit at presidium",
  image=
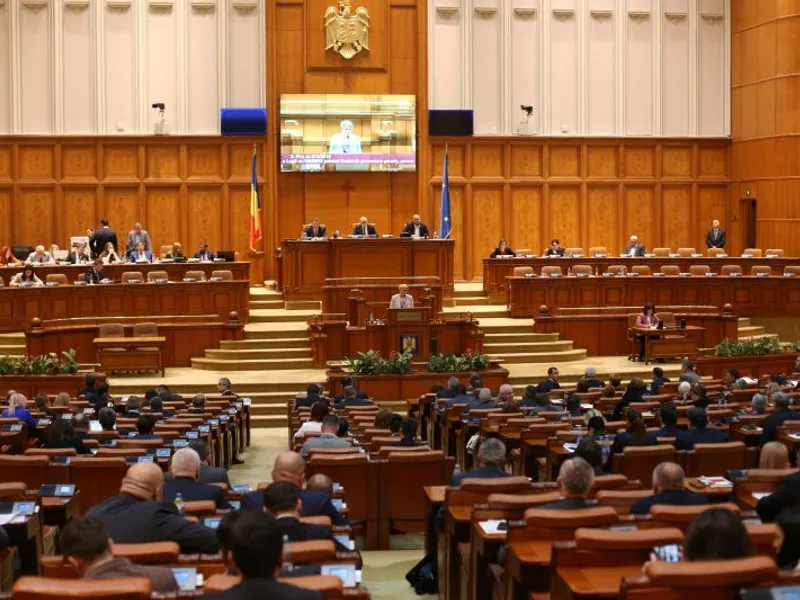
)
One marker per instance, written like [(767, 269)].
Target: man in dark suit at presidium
[(101, 237)]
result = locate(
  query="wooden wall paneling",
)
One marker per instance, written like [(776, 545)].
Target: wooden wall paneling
[(677, 219), (526, 217), (564, 214), (79, 163), (204, 163), (711, 204), (487, 216), (601, 217), (239, 232), (565, 160), (122, 206), (405, 202), (403, 53), (639, 215), (640, 161), (602, 161), (526, 160), (6, 162), (121, 161), (676, 161), (163, 162), (368, 195), (163, 210), (36, 162), (34, 215), (204, 222), (487, 161), (6, 223), (77, 210)]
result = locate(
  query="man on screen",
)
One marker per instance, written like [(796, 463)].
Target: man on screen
[(345, 142)]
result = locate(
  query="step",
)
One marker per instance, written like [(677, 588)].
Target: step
[(266, 343), (467, 288), (518, 338), (267, 290), (758, 336), (256, 354), (490, 326), (744, 321), (480, 312), (264, 364), (543, 357), (256, 304), (751, 330), (521, 347), (281, 316), (471, 301), (313, 305), (16, 349), (273, 331), (12, 337), (275, 408), (264, 421)]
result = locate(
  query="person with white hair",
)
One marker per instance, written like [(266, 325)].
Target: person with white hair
[(185, 468), (590, 376), (345, 141), (364, 228), (40, 256), (402, 299), (684, 389), (783, 412), (491, 462), (18, 409), (575, 479), (634, 247)]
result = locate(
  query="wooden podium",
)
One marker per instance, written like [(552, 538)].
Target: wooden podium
[(408, 329)]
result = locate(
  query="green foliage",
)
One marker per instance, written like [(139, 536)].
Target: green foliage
[(752, 347), (372, 363), (450, 363), (795, 346), (44, 364)]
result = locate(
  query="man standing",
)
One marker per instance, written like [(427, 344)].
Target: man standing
[(716, 237), (136, 235), (101, 237), (402, 299), (415, 228), (345, 142)]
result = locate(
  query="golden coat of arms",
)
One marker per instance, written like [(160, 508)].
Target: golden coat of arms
[(345, 32)]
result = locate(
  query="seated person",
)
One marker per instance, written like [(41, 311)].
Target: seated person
[(7, 257), (313, 392), (490, 461), (40, 256), (26, 278), (328, 438), (549, 384), (254, 546), (351, 399), (590, 451), (699, 396), (80, 254), (209, 474), (282, 501), (347, 380), (86, 545), (669, 421), (144, 428), (529, 397), (543, 404), (668, 488), (573, 404), (320, 483), (94, 274), (132, 406), (109, 255), (658, 381), (590, 376), (449, 391), (139, 515), (688, 372), (774, 455), (107, 418), (698, 432), (408, 432), (185, 468), (395, 422), (502, 250), (402, 299), (140, 255), (157, 406), (634, 393), (462, 397), (783, 413), (634, 247), (785, 496), (203, 254), (575, 479), (18, 409), (63, 435), (554, 249), (364, 228), (314, 425), (176, 252), (758, 405), (198, 404), (635, 433), (415, 228), (315, 230), (716, 534), (485, 399)]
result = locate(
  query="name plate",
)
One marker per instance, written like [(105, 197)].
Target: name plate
[(409, 316)]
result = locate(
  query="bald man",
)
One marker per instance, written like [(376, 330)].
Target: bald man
[(290, 467), (139, 514), (415, 228), (185, 468), (634, 247), (668, 488)]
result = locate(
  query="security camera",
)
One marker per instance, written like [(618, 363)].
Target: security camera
[(528, 109), (159, 105)]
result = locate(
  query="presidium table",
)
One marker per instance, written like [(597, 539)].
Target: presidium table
[(304, 267)]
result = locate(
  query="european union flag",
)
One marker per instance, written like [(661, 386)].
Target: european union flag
[(445, 224)]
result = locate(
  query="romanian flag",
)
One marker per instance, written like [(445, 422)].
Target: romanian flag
[(255, 207)]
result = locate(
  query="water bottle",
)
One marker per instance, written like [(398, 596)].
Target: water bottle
[(179, 503), (287, 566), (457, 469)]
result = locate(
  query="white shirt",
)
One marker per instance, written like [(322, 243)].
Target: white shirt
[(399, 301), (308, 427), (343, 143), (416, 231)]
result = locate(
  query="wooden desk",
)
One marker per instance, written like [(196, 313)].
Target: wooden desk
[(130, 358), (749, 296), (669, 343), (496, 270), (599, 582), (19, 305), (713, 494), (303, 266), (26, 534), (483, 552), (434, 498), (175, 271), (58, 511)]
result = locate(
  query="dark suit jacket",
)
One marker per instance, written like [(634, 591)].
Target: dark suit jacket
[(353, 402), (321, 232), (787, 495), (308, 401), (668, 432), (101, 237), (207, 255), (547, 386), (775, 420), (673, 498), (214, 475), (490, 472), (92, 276), (194, 490), (657, 383), (314, 504), (595, 383), (687, 439), (74, 258), (470, 400), (715, 243), (129, 520), (340, 397), (405, 442), (624, 439), (408, 230), (496, 252), (640, 249), (358, 230), (551, 252), (258, 589), (303, 532), (567, 504)]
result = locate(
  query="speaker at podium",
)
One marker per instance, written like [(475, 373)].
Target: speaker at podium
[(409, 331)]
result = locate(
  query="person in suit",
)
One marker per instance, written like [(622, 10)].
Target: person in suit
[(669, 421), (554, 249), (575, 479), (502, 250), (315, 230), (176, 253), (185, 468), (80, 254), (253, 546), (63, 435), (688, 372), (225, 388), (132, 408), (635, 433), (658, 380), (351, 398), (313, 392), (668, 488), (157, 406), (89, 385), (415, 228), (549, 384), (139, 514), (282, 501), (85, 544), (203, 254), (345, 142), (94, 274), (208, 474), (102, 237), (633, 393), (782, 413), (40, 256), (144, 428), (402, 299), (634, 247), (107, 419), (363, 228), (328, 438), (137, 235), (590, 377), (408, 433), (140, 254), (590, 451), (698, 432), (490, 460), (485, 399), (349, 381), (449, 391), (716, 237), (786, 496), (462, 397), (290, 467), (699, 396)]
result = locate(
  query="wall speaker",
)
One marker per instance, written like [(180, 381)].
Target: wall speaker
[(450, 122), (243, 121)]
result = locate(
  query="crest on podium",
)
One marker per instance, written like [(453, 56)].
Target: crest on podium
[(409, 344), (346, 33)]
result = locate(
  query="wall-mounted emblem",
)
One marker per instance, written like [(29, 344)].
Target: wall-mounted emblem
[(346, 33)]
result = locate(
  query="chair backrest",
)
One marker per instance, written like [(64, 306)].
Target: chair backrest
[(730, 270), (197, 275), (551, 270), (33, 471), (223, 274), (132, 277), (686, 252), (699, 270), (45, 588), (595, 250), (792, 269), (58, 278), (96, 478), (150, 553), (594, 538), (582, 270), (617, 269), (608, 482), (671, 270), (715, 459), (146, 329), (552, 524), (523, 251), (51, 452), (753, 252), (715, 251), (522, 271), (682, 516), (573, 251), (107, 330), (621, 500), (761, 270), (330, 586), (638, 462), (662, 252), (642, 270), (774, 253), (154, 276), (356, 475), (200, 508), (402, 478), (165, 249)]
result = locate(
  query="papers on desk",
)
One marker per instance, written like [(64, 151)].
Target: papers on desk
[(760, 495), (492, 526), (715, 482), (587, 405), (570, 447), (12, 519), (750, 380), (795, 436)]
